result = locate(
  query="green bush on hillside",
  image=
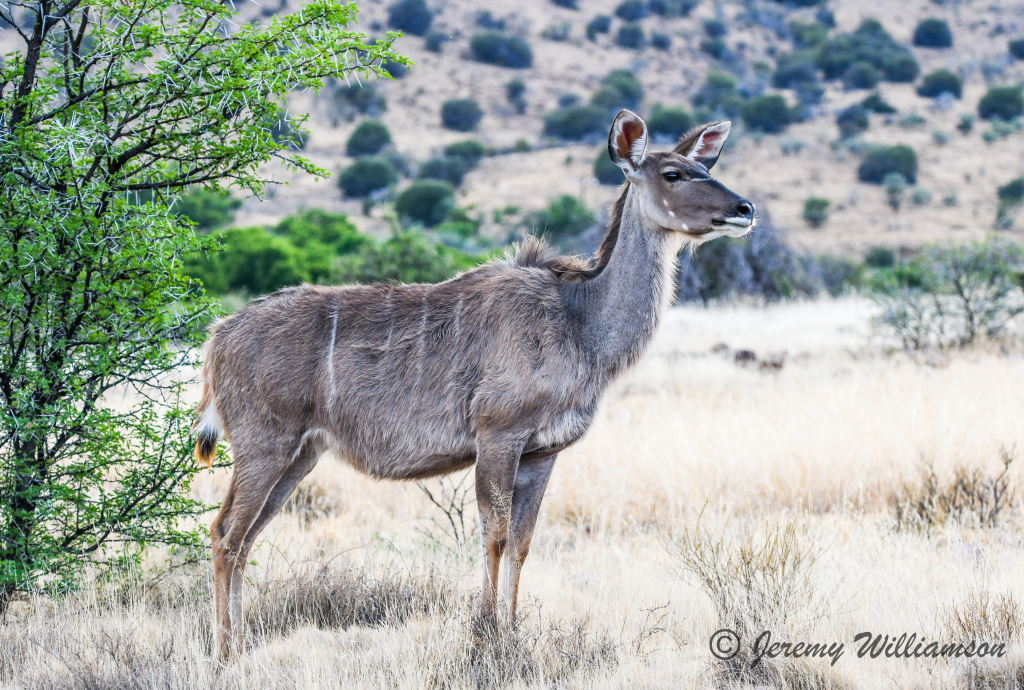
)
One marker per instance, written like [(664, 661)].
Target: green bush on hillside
[(605, 170), (367, 139), (564, 218), (575, 122), (426, 201), (767, 113), (939, 82), (496, 48), (670, 121), (933, 33), (871, 44), (619, 89), (1002, 103), (406, 257), (206, 208), (461, 114), (883, 160), (630, 36), (367, 175)]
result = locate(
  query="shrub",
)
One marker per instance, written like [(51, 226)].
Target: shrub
[(367, 139), (670, 121), (861, 75), (872, 44), (951, 296), (1001, 102), (600, 24), (794, 69), (880, 257), (631, 10), (605, 170), (564, 218), (320, 237), (367, 175), (1011, 196), (883, 160), (939, 82), (469, 151), (1016, 48), (207, 209), (759, 265), (715, 47), (363, 99), (426, 201), (808, 34), (852, 121), (968, 499), (757, 580), (451, 170), (407, 257), (411, 16), (933, 33), (815, 211), (619, 89), (575, 122), (715, 28), (496, 48), (660, 41), (434, 40), (966, 124), (568, 4), (461, 114), (719, 94), (630, 36), (672, 8), (895, 185), (768, 113), (876, 104), (284, 130), (919, 196), (254, 261)]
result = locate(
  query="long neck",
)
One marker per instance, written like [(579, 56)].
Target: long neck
[(621, 306)]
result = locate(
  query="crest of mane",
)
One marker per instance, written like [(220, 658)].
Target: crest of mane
[(534, 252)]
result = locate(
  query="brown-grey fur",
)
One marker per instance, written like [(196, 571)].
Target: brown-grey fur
[(502, 366)]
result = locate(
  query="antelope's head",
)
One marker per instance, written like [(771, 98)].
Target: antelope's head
[(677, 193)]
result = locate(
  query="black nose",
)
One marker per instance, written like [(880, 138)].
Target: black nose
[(745, 208)]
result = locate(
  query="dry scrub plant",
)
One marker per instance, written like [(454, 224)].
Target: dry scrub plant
[(758, 581), (969, 498), (996, 619), (452, 495), (563, 653), (332, 596)]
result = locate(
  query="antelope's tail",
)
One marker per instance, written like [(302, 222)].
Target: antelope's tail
[(208, 427)]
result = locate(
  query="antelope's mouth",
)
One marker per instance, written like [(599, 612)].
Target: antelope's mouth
[(737, 222), (736, 226)]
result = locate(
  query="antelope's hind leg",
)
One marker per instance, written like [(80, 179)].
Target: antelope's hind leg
[(265, 474), (531, 482)]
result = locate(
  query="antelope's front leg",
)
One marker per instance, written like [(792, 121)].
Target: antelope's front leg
[(531, 481), (496, 464)]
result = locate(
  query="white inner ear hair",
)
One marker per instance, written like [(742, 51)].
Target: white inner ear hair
[(638, 150), (705, 145)]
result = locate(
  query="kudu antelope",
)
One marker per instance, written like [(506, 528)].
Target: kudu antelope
[(501, 366)]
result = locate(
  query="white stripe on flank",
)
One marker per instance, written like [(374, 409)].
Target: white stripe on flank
[(332, 386)]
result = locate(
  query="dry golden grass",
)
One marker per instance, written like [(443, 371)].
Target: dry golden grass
[(707, 495)]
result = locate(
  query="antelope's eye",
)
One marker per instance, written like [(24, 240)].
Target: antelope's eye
[(672, 175)]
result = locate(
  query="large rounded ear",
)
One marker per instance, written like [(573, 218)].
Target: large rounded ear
[(627, 141), (704, 143)]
